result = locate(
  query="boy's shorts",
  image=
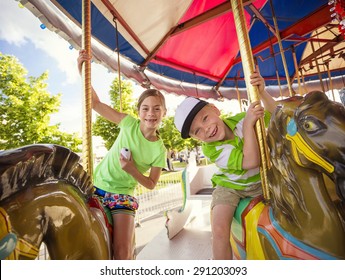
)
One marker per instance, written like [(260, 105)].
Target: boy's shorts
[(228, 196)]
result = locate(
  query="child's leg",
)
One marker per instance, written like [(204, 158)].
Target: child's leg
[(222, 215), (123, 236)]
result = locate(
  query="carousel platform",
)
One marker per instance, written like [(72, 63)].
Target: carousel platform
[(192, 242)]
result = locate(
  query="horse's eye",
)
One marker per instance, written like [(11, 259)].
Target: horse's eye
[(311, 125)]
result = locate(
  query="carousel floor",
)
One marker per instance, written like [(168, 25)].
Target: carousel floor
[(193, 242)]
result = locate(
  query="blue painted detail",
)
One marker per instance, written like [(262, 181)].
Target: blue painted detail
[(243, 253), (292, 127), (7, 245)]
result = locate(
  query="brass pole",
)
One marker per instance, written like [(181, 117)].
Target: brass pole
[(275, 62), (86, 77), (303, 81), (248, 68), (330, 80), (318, 68), (238, 95), (281, 49), (118, 62), (280, 88), (297, 72)]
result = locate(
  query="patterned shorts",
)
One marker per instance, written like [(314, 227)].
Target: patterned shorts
[(118, 203)]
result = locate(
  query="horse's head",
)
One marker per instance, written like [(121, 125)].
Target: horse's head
[(306, 138), (321, 124), (315, 128)]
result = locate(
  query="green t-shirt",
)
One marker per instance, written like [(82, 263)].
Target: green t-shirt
[(228, 157), (108, 174)]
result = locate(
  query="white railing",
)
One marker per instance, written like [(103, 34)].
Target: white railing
[(167, 195)]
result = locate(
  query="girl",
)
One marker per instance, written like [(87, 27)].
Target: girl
[(116, 176)]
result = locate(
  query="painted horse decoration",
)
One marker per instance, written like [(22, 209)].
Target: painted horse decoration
[(305, 217), (46, 197)]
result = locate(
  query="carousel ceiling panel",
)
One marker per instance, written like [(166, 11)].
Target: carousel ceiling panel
[(190, 47)]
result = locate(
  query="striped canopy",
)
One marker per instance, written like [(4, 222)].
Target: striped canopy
[(190, 47)]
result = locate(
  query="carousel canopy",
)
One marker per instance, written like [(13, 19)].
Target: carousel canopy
[(190, 47)]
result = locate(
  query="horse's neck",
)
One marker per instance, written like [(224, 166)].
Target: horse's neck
[(49, 213), (304, 208)]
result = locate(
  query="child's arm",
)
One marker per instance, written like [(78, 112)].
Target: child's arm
[(257, 80), (148, 182), (101, 108), (251, 152)]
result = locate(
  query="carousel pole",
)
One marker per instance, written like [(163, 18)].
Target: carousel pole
[(303, 81), (330, 80), (248, 69), (238, 95), (118, 61), (275, 62), (318, 68), (86, 77), (281, 49), (296, 70)]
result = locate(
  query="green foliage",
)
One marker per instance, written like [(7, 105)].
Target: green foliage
[(106, 129), (25, 109), (172, 137)]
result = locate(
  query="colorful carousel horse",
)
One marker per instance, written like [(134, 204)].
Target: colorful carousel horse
[(305, 217), (46, 197)]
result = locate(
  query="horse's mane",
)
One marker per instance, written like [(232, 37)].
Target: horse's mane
[(37, 164), (283, 174)]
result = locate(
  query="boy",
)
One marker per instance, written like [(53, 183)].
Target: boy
[(232, 145)]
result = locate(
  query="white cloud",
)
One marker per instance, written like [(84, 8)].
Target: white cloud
[(19, 25)]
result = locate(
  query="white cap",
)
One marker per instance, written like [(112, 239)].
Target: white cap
[(185, 114)]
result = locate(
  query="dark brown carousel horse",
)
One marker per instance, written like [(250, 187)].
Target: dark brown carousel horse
[(305, 217), (46, 196)]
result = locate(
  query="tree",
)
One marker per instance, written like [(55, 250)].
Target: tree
[(172, 138), (109, 130), (25, 109)]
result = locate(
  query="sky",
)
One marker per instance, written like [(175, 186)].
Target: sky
[(41, 50)]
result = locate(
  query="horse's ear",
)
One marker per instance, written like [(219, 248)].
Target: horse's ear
[(312, 99), (315, 96)]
